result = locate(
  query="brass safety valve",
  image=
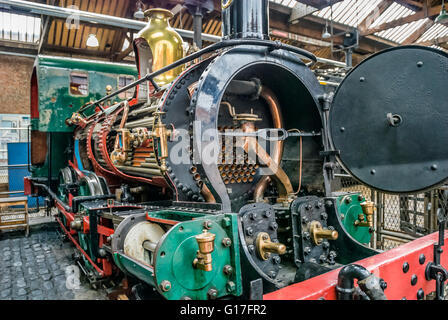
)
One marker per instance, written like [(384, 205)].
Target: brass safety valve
[(318, 234), (365, 219), (206, 243), (265, 246)]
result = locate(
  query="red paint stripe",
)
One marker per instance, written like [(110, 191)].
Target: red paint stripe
[(387, 265)]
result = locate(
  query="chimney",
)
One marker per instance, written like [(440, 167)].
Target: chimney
[(245, 19)]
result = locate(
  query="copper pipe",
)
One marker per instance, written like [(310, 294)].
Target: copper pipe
[(193, 170), (274, 108), (223, 174), (226, 181), (251, 179), (207, 194), (245, 180), (232, 180), (284, 185), (238, 180), (197, 177)]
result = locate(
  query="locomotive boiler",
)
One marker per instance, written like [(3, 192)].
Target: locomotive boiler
[(213, 179)]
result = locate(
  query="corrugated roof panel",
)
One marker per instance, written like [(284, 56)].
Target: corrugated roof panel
[(401, 33), (436, 31), (395, 11), (349, 12), (17, 27)]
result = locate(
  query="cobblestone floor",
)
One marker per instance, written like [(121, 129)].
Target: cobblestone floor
[(34, 268)]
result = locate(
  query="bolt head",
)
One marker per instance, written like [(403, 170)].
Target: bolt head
[(165, 286), (405, 267), (230, 286), (212, 294), (414, 279), (273, 225), (324, 216), (249, 231), (267, 213), (251, 248), (226, 242), (383, 284), (228, 270), (276, 259), (207, 224)]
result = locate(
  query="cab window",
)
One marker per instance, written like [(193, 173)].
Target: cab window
[(123, 81), (79, 84)]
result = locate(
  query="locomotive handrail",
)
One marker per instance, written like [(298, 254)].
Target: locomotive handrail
[(273, 45)]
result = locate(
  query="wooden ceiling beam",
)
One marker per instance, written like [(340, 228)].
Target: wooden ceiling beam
[(433, 11), (419, 32), (374, 14)]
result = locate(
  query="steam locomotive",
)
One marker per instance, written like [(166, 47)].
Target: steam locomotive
[(210, 175)]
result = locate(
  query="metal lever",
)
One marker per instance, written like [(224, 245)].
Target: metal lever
[(271, 134)]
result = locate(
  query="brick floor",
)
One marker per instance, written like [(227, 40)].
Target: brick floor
[(35, 268)]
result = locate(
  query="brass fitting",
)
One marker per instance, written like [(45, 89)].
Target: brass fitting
[(162, 133), (203, 260), (265, 246), (120, 153), (365, 219), (77, 120), (318, 233)]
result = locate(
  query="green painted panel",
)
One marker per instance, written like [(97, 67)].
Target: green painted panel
[(349, 207), (175, 255), (56, 103)]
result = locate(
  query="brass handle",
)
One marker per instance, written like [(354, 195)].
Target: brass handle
[(265, 246), (318, 233)]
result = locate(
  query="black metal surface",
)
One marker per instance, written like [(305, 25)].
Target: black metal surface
[(289, 79), (389, 120), (255, 268), (304, 210), (245, 19)]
